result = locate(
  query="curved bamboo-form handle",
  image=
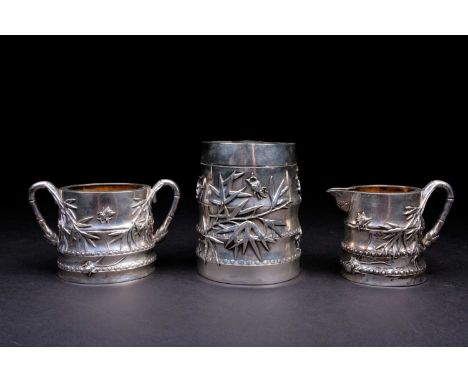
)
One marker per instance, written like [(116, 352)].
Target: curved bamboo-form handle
[(433, 234), (161, 232), (50, 235)]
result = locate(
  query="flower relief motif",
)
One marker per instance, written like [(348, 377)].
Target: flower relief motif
[(106, 215), (362, 221)]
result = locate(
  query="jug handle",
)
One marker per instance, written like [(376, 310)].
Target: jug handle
[(433, 234), (50, 235), (161, 232)]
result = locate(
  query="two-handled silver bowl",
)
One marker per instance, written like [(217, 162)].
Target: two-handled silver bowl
[(105, 232)]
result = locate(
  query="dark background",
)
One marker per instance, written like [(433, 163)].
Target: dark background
[(362, 111)]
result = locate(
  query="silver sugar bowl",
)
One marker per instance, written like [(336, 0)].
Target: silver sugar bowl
[(105, 232)]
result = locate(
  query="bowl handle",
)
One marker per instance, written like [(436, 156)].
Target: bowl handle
[(50, 235), (161, 232)]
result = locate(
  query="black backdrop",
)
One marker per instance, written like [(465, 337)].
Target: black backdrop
[(362, 111)]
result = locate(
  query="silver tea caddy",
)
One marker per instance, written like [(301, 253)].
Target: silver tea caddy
[(105, 232), (385, 232), (249, 195)]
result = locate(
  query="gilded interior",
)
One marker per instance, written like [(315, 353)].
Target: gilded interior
[(385, 189), (106, 188)]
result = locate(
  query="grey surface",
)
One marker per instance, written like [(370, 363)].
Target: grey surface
[(176, 307)]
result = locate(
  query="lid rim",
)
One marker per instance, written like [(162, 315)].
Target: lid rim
[(248, 153)]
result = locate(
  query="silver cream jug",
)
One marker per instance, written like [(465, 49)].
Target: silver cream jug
[(384, 232)]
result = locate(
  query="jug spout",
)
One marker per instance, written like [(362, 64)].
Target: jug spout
[(343, 197)]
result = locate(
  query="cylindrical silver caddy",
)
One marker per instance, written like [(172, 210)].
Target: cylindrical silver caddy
[(249, 195)]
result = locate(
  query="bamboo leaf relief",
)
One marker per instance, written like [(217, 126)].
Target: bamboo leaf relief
[(86, 220), (74, 230), (274, 226), (239, 228), (397, 240), (141, 227)]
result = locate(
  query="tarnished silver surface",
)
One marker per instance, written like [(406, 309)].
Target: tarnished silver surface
[(385, 238), (249, 197), (105, 231)]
